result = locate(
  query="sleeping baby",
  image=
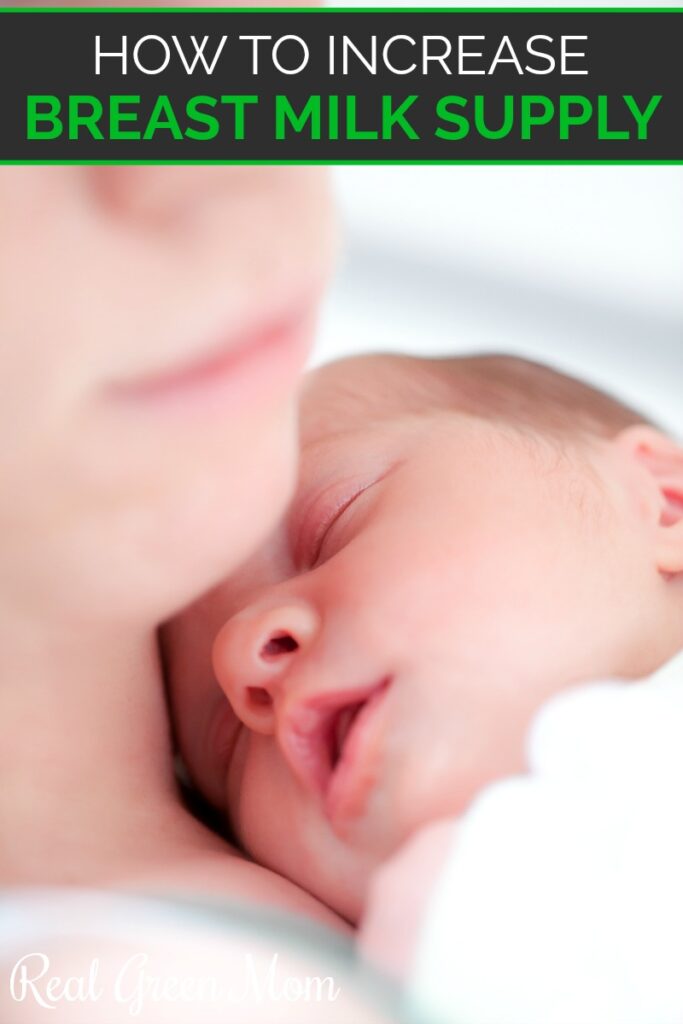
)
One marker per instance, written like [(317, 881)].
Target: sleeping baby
[(470, 538)]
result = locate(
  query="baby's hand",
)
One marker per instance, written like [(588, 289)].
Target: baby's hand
[(398, 898)]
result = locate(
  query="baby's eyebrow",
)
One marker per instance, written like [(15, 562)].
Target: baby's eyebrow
[(316, 454), (331, 435), (337, 411)]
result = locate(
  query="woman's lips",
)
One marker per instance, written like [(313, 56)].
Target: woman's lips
[(332, 744), (238, 368)]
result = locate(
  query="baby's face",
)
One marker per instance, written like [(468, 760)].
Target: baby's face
[(379, 659)]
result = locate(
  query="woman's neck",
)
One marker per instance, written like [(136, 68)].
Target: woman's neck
[(86, 778), (85, 752)]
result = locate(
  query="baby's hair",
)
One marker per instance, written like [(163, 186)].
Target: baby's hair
[(526, 394)]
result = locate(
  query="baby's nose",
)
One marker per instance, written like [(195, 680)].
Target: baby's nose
[(254, 652)]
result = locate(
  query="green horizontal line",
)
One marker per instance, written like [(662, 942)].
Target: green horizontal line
[(344, 163), (264, 11)]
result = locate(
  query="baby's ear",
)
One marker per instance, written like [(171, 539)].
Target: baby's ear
[(661, 460)]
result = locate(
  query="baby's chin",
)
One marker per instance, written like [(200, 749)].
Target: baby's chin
[(375, 831), (344, 881), (337, 874)]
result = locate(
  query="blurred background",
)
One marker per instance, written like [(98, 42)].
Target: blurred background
[(579, 266)]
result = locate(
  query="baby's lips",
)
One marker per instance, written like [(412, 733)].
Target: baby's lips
[(357, 770), (325, 741)]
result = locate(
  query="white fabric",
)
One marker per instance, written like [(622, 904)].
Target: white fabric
[(562, 898)]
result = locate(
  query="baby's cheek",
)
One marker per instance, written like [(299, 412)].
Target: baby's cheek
[(282, 827), (259, 800), (274, 820)]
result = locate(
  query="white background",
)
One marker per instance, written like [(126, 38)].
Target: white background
[(580, 266)]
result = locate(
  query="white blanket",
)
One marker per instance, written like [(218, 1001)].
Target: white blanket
[(562, 898)]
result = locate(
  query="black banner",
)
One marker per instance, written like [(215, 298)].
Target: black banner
[(338, 86)]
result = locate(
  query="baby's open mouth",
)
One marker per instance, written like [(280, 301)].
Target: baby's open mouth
[(331, 744), (342, 726)]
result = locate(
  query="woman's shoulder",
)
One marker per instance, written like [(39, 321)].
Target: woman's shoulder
[(191, 860)]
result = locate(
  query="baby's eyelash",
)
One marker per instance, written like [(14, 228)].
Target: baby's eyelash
[(311, 524), (329, 520)]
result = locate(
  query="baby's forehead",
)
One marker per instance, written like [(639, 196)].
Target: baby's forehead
[(347, 395)]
